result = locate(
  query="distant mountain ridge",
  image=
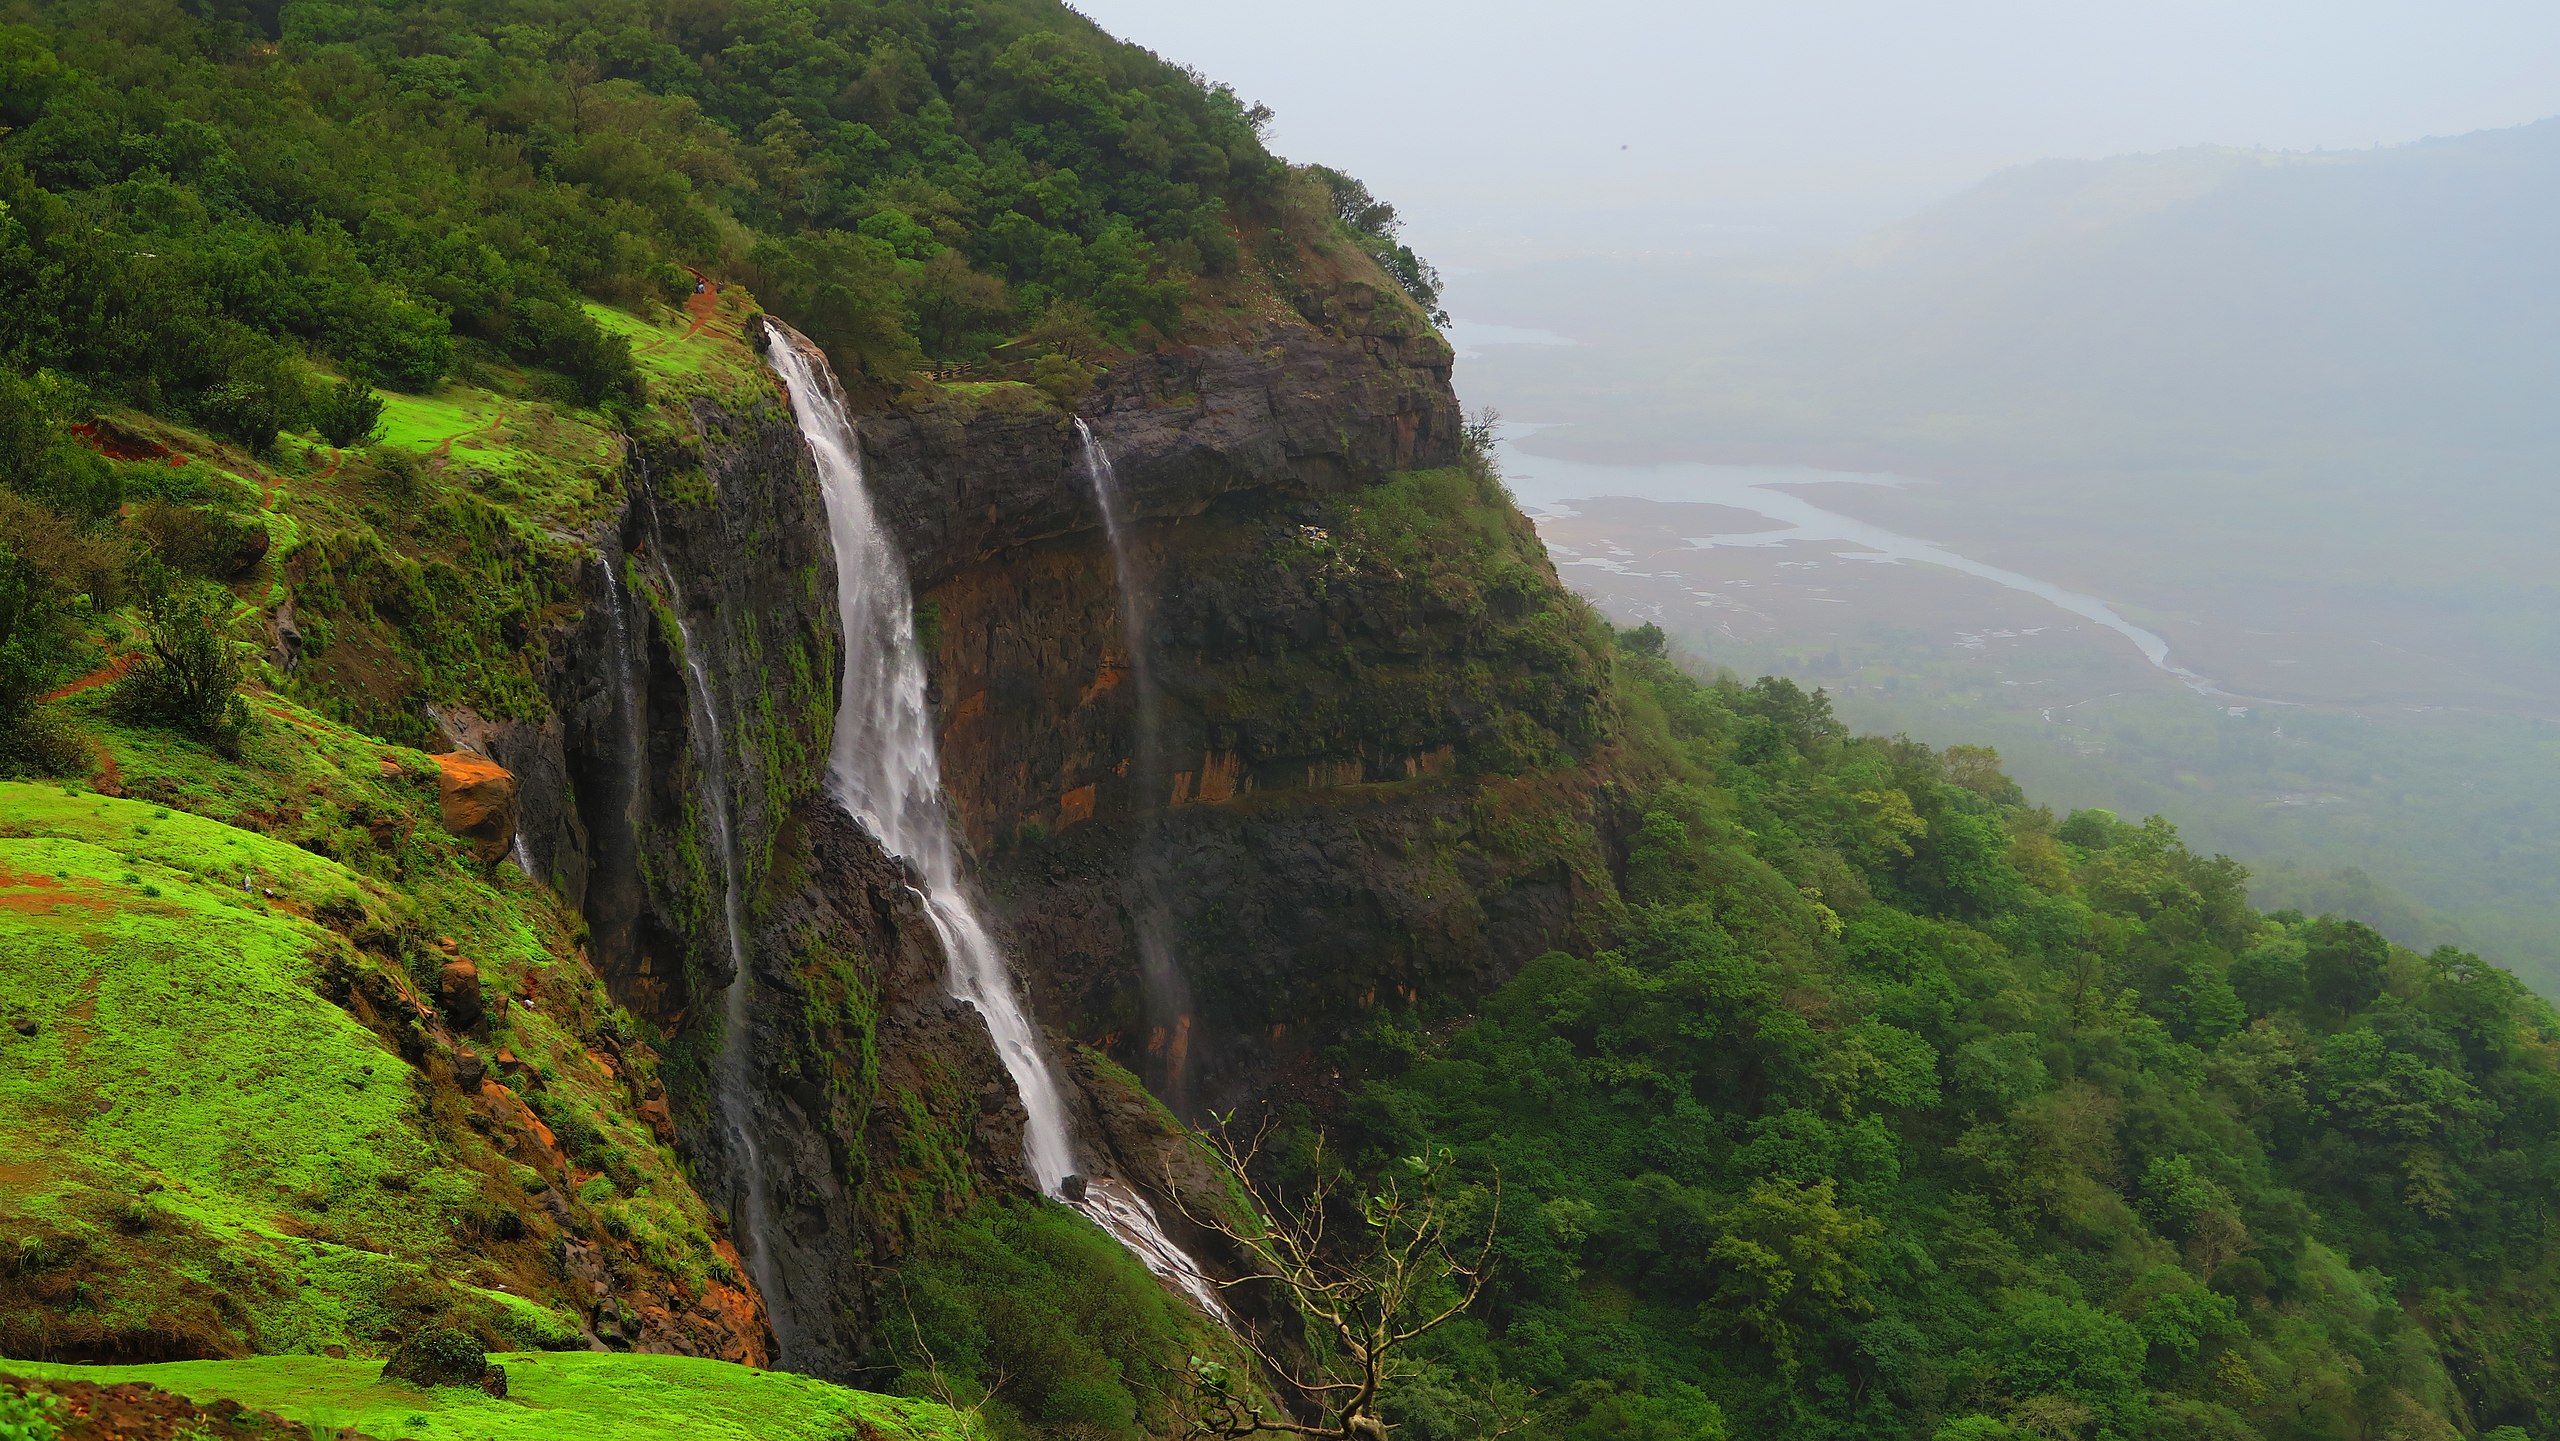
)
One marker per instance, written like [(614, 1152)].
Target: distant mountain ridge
[(2199, 302)]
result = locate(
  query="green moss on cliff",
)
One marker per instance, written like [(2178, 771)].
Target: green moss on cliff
[(1443, 620)]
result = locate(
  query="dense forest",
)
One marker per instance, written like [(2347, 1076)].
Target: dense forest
[(1888, 1104), (1902, 1104), (237, 218)]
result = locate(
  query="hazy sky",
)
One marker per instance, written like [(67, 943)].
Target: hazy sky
[(1509, 128)]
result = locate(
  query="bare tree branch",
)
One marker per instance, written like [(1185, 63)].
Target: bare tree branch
[(1363, 1299)]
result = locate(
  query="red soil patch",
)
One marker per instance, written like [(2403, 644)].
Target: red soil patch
[(703, 304), (113, 670), (110, 781), (37, 895), (116, 443)]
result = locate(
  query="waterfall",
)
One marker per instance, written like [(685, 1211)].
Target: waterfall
[(885, 769), (1168, 991), (732, 1077), (626, 689)]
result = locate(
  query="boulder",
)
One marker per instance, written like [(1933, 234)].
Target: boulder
[(443, 1356), (479, 803), (458, 994)]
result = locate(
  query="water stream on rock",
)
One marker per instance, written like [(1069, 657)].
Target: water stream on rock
[(1168, 990), (626, 691), (732, 1077), (885, 769)]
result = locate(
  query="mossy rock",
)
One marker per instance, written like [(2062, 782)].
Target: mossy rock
[(444, 1356)]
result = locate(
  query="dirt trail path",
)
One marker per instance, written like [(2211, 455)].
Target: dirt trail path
[(703, 304), (110, 780), (113, 670)]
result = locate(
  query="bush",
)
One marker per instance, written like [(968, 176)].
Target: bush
[(398, 475), (597, 366), (261, 391), (190, 680), (27, 1417), (348, 414), (28, 620), (202, 540), (41, 461)]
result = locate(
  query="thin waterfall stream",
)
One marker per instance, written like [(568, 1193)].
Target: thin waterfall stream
[(732, 1078), (1168, 990), (626, 690), (885, 769)]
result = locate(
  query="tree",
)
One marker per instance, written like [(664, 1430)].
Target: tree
[(1364, 1295), (348, 414), (2343, 963), (1788, 1259), (190, 679)]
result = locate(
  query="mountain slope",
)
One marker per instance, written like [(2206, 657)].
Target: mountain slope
[(1833, 1089)]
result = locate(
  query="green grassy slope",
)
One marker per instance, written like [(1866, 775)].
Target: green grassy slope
[(550, 1397), (234, 1115)]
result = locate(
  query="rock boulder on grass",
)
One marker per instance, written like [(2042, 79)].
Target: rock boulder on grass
[(443, 1356), (479, 802)]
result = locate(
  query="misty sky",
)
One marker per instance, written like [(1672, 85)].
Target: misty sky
[(1497, 125)]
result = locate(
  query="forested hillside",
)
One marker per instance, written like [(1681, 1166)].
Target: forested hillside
[(1903, 1107), (382, 378)]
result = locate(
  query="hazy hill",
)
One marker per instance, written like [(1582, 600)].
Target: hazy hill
[(2197, 303), (2287, 410)]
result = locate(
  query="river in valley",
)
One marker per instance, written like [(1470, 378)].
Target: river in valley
[(1548, 485)]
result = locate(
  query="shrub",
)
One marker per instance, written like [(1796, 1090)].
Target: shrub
[(38, 457), (261, 391), (348, 414), (398, 475), (597, 366), (27, 620), (190, 680), (26, 1417), (202, 540)]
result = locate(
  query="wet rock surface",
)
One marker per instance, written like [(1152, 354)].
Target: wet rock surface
[(1292, 409)]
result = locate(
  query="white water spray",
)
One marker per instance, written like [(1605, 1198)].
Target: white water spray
[(1168, 991), (886, 771), (733, 1081)]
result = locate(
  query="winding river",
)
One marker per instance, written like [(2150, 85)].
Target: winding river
[(1544, 483)]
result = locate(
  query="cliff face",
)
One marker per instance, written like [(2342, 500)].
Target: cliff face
[(1315, 792), (1326, 817)]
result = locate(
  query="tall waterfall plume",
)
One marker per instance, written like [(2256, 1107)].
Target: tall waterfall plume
[(1168, 990), (885, 769)]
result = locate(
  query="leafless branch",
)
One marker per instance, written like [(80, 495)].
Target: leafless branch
[(1364, 1298)]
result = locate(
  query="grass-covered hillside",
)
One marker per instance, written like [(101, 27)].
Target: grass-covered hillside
[(196, 206), (551, 1396), (297, 1071)]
